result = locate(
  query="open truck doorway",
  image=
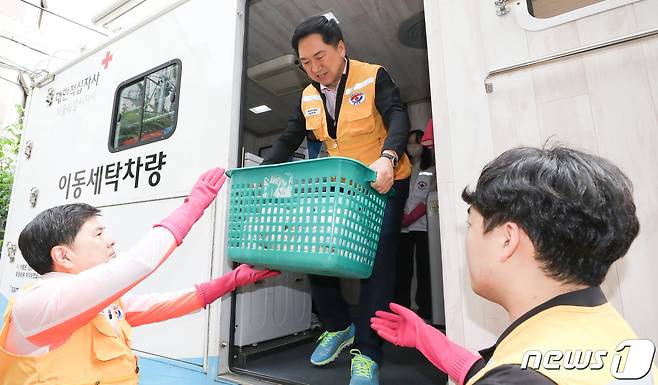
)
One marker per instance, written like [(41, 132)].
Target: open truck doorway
[(274, 326)]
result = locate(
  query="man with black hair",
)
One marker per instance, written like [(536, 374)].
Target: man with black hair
[(74, 325), (544, 227), (355, 109)]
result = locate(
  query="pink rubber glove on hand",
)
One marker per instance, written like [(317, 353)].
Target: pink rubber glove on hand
[(203, 193), (414, 215), (241, 276), (405, 328), (406, 220)]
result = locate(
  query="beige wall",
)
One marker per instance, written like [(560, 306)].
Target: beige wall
[(605, 102), (419, 113)]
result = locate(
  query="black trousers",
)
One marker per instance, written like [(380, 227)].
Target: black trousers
[(414, 243), (376, 291)]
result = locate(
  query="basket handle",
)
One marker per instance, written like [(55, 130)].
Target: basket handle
[(372, 176)]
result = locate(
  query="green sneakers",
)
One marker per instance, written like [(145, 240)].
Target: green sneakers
[(364, 369), (331, 344)]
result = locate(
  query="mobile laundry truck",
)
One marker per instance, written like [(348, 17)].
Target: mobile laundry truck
[(128, 126)]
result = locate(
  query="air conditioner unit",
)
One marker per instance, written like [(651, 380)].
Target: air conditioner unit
[(280, 76)]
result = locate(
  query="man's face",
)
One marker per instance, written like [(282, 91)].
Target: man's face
[(480, 254), (322, 62), (90, 247)]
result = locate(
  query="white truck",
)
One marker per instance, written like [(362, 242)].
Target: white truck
[(129, 125)]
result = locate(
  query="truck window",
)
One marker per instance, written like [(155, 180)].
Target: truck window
[(145, 107), (538, 15), (543, 9)]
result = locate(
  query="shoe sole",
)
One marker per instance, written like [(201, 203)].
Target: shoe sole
[(331, 359)]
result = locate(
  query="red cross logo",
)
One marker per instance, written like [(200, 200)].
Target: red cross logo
[(106, 60)]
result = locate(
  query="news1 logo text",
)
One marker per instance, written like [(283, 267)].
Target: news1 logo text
[(631, 360)]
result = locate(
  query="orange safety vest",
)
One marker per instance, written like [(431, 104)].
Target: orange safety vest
[(360, 132), (93, 355)]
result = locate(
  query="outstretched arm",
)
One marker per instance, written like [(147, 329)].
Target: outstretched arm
[(61, 304), (150, 308), (403, 327)]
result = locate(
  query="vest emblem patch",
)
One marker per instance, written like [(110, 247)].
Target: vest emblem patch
[(312, 111), (114, 311), (357, 98)]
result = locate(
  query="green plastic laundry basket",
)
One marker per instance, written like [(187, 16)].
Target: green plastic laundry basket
[(318, 216)]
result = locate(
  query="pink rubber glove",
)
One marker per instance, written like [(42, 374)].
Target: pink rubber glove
[(414, 215), (203, 193), (241, 276), (405, 328)]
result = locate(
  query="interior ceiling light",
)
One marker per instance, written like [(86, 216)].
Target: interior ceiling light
[(330, 15), (260, 109)]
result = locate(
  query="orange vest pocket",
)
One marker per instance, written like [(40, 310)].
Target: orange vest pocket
[(358, 120), (315, 124), (105, 342)]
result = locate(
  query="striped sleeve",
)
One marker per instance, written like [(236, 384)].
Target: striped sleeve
[(58, 306), (151, 308)]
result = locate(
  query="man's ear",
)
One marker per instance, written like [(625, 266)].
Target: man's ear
[(341, 48), (511, 236), (61, 258)]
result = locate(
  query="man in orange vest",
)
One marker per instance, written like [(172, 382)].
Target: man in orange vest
[(75, 324), (544, 227), (355, 109)]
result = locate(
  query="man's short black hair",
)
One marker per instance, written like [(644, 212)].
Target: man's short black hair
[(576, 208), (327, 28), (54, 227)]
